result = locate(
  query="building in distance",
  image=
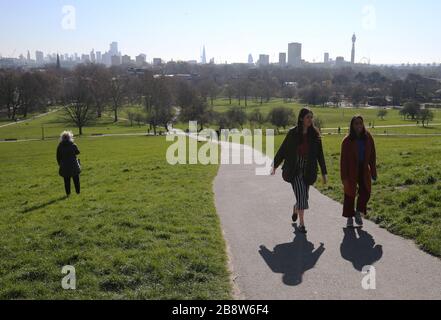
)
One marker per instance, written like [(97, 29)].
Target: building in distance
[(295, 54), (282, 59), (264, 60)]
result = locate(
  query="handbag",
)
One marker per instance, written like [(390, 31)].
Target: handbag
[(287, 173)]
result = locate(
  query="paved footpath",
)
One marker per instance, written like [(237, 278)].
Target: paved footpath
[(270, 260)]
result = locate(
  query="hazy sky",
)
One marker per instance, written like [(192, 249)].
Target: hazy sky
[(388, 31)]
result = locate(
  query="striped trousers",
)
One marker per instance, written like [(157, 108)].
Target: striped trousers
[(301, 189)]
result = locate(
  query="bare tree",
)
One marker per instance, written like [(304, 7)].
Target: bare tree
[(118, 86), (79, 101), (9, 94)]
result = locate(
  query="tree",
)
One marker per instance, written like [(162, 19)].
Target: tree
[(118, 86), (315, 95), (9, 94), (397, 92), (426, 115), (382, 113), (236, 116), (78, 102), (358, 95), (281, 117), (131, 115), (161, 102), (288, 93), (244, 89), (32, 87), (100, 85), (193, 106), (411, 109), (256, 117), (229, 91)]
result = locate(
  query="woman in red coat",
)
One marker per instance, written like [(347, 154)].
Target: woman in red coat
[(358, 168)]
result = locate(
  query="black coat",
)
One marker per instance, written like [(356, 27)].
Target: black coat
[(288, 155), (67, 159)]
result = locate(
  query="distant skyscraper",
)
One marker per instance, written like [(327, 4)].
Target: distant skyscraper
[(92, 56), (85, 58), (99, 57), (263, 60), (204, 56), (58, 61), (294, 54), (339, 61), (141, 59), (29, 56), (126, 59), (115, 60), (250, 59), (114, 49), (157, 61), (39, 57), (107, 59), (326, 59), (354, 39), (282, 59)]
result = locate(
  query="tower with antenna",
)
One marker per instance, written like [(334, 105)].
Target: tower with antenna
[(354, 39)]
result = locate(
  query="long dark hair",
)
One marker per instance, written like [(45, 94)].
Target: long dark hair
[(312, 130), (352, 134)]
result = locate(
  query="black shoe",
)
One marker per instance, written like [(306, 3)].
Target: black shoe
[(295, 217), (302, 229), (358, 219)]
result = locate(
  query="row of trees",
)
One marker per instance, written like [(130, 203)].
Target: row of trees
[(89, 90), (25, 92)]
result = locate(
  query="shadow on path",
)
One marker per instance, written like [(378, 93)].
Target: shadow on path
[(43, 205), (292, 259), (360, 251)]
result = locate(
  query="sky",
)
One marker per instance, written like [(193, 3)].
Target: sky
[(388, 31)]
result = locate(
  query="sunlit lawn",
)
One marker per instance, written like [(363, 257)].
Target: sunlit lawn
[(141, 229)]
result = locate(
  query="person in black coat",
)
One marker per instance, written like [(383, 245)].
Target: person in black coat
[(301, 153), (67, 152)]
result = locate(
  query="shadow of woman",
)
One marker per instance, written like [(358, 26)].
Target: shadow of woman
[(360, 251), (43, 205), (292, 259)]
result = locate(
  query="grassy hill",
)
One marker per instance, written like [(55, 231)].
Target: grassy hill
[(141, 229)]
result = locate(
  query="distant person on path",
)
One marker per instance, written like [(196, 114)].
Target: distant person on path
[(70, 168), (358, 168), (301, 153)]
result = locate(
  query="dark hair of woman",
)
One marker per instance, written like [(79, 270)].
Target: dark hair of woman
[(312, 130), (352, 134)]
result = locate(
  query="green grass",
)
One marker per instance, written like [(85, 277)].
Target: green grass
[(54, 123), (337, 117), (141, 229), (406, 200)]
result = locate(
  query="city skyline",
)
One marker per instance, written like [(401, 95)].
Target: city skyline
[(258, 29)]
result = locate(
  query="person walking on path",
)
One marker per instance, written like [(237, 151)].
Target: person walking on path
[(300, 153), (69, 165), (358, 167)]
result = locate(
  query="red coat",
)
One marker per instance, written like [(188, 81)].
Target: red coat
[(349, 165)]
